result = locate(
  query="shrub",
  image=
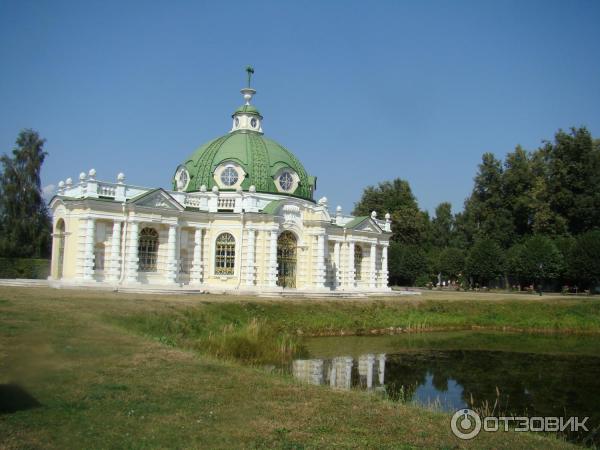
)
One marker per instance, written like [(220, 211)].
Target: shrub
[(24, 268)]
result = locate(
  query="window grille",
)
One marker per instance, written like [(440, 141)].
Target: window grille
[(148, 250), (358, 257), (225, 254)]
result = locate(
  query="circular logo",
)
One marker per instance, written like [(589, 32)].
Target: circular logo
[(465, 424)]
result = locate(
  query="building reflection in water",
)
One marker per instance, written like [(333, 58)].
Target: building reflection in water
[(343, 372)]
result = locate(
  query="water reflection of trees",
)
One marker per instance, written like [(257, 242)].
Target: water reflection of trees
[(517, 383), (500, 383)]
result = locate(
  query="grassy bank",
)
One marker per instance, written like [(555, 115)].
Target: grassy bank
[(113, 371), (272, 331)]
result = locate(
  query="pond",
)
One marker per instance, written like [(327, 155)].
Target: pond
[(500, 374)]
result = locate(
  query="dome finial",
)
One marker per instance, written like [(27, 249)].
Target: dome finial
[(248, 92), (250, 71)]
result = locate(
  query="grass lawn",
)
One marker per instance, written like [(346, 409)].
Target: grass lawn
[(132, 371)]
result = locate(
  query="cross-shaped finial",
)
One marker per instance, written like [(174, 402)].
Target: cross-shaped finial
[(250, 71)]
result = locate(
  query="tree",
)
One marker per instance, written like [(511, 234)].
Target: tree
[(485, 261), (536, 260), (24, 218), (573, 183), (409, 224), (486, 214), (583, 260), (452, 262), (407, 262), (442, 225), (517, 180)]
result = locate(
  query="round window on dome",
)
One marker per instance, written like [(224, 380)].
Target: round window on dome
[(286, 181), (229, 176), (237, 122), (253, 122), (182, 178)]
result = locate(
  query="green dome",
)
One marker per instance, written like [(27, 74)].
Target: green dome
[(261, 158)]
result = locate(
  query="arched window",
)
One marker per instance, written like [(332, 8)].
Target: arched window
[(148, 250), (225, 254), (358, 257)]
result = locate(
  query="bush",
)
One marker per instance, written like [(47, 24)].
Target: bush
[(24, 268), (423, 281)]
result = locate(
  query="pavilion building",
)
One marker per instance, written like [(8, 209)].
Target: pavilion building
[(240, 217)]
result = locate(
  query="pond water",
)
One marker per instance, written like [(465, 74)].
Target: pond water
[(507, 374)]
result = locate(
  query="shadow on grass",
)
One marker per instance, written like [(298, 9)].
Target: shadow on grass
[(14, 398)]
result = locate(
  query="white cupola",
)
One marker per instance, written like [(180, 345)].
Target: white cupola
[(247, 117)]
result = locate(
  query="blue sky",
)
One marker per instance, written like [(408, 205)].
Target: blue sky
[(360, 91)]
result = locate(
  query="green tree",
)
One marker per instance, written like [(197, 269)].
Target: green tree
[(583, 261), (442, 225), (24, 218), (485, 261), (485, 213), (409, 224), (452, 262), (517, 181), (407, 263), (536, 260), (573, 183)]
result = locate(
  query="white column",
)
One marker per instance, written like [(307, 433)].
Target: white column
[(250, 271), (372, 272), (114, 271), (336, 261), (348, 383), (384, 267), (350, 283), (370, 364), (272, 273), (196, 271), (381, 371), (88, 253), (171, 272), (131, 249), (320, 269)]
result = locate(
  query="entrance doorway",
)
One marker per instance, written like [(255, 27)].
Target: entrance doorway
[(286, 259)]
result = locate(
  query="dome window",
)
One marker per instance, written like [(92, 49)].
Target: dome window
[(182, 178), (229, 176), (237, 122), (253, 122), (286, 181)]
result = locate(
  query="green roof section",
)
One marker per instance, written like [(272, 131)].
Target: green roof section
[(260, 157), (356, 221), (272, 207)]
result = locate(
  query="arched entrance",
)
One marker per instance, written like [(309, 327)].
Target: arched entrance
[(286, 259), (59, 233)]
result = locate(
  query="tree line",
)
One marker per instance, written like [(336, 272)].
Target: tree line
[(532, 219)]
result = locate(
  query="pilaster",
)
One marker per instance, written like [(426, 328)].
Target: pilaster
[(250, 259), (131, 249), (372, 267), (114, 271), (196, 271), (172, 265)]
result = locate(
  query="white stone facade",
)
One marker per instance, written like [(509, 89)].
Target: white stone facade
[(101, 224)]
